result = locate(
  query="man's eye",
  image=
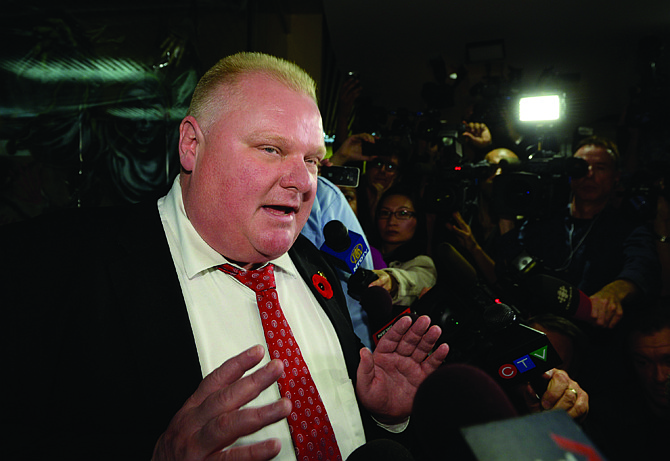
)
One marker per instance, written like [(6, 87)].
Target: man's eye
[(640, 362), (270, 149)]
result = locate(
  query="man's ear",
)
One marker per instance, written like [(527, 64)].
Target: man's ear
[(190, 138)]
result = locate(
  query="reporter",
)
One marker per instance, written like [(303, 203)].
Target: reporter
[(401, 239)]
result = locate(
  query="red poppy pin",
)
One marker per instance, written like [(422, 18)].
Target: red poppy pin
[(322, 285)]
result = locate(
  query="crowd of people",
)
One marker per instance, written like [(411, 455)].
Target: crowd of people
[(591, 241), (155, 329)]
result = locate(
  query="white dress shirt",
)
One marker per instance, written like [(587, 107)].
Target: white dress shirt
[(225, 321)]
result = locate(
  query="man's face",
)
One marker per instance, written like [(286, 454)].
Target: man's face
[(253, 173), (651, 359), (601, 179)]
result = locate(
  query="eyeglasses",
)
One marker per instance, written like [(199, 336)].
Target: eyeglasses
[(388, 166), (402, 215)]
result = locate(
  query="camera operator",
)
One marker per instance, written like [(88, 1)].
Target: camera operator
[(591, 244), (475, 233)]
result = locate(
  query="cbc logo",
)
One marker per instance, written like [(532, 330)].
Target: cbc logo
[(356, 253), (522, 364)]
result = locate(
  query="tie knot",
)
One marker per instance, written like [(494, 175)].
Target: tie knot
[(257, 279)]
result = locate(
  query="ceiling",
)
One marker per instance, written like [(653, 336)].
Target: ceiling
[(587, 48)]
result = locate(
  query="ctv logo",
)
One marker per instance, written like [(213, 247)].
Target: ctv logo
[(522, 364), (356, 253)]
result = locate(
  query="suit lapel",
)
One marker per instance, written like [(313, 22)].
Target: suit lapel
[(309, 262)]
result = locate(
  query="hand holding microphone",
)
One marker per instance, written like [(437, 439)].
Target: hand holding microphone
[(554, 296), (386, 281), (563, 393)]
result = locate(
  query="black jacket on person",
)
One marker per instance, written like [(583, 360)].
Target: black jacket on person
[(99, 352)]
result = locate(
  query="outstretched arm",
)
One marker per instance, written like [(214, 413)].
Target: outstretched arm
[(351, 150), (466, 238), (606, 304), (388, 378)]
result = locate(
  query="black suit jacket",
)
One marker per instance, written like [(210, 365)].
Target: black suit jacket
[(100, 351)]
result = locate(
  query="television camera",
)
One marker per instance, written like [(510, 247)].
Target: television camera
[(537, 187), (484, 331)]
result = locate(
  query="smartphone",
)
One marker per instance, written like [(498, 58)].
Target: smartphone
[(342, 175)]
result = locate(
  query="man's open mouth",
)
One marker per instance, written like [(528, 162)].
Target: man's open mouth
[(281, 209)]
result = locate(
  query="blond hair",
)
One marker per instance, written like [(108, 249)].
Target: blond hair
[(207, 100)]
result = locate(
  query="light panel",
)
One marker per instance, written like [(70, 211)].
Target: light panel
[(540, 108)]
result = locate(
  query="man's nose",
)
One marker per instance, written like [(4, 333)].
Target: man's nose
[(662, 373), (297, 174), (589, 171)]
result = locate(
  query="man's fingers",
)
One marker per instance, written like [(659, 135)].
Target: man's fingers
[(225, 429), (574, 401), (229, 372), (389, 342), (241, 392), (267, 449), (409, 339), (366, 368), (219, 419), (419, 339), (437, 357), (562, 391)]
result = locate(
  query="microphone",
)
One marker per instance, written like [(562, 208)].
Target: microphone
[(382, 315), (553, 295), (382, 450), (347, 250), (455, 396), (483, 331)]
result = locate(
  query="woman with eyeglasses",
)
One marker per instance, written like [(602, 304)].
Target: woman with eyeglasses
[(401, 237)]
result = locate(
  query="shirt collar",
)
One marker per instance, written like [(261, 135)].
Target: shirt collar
[(197, 255)]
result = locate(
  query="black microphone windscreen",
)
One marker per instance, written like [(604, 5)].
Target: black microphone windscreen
[(553, 295), (378, 304), (381, 450), (455, 396), (336, 235)]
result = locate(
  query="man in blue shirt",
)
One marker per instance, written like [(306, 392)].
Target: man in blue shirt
[(331, 204)]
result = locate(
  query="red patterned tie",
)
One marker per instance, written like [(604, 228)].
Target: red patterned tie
[(312, 434)]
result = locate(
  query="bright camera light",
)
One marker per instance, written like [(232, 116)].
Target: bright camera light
[(540, 108)]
